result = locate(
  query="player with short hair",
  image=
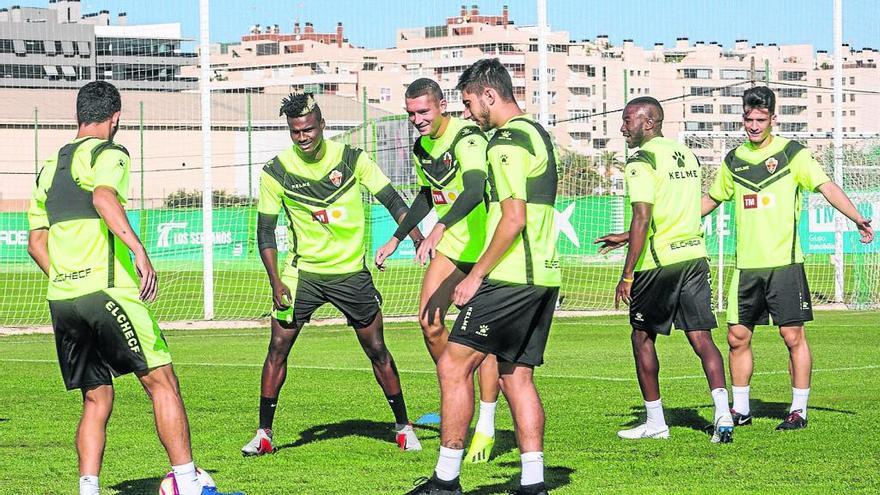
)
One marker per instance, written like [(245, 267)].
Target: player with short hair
[(80, 237), (450, 163), (508, 298), (317, 184), (766, 177), (666, 277)]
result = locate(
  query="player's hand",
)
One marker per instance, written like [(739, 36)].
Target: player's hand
[(466, 289), (864, 226), (149, 279), (611, 242), (622, 293), (281, 296), (385, 251), (428, 248)]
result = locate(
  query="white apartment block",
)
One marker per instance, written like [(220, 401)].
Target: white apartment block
[(589, 80)]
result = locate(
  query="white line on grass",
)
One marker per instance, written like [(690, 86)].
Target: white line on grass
[(432, 372)]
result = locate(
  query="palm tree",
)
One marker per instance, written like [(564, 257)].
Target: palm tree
[(611, 162)]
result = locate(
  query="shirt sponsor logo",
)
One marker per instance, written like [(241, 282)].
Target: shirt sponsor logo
[(77, 275), (336, 178), (760, 200), (124, 326), (174, 234), (771, 164), (683, 244), (330, 215), (444, 197), (13, 237)]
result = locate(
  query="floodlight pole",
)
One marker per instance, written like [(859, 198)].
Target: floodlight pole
[(837, 84), (543, 90), (208, 186)]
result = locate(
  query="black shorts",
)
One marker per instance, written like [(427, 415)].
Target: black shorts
[(511, 321), (782, 293), (105, 334), (352, 293), (679, 294)]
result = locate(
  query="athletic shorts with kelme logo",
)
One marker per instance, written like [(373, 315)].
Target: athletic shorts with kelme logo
[(351, 293), (759, 294), (105, 334), (679, 294), (511, 321)]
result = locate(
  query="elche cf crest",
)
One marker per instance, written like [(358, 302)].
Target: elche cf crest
[(771, 164), (336, 178), (447, 159)]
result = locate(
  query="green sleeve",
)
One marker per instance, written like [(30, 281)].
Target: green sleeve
[(369, 174), (722, 188), (510, 168), (640, 182), (270, 195), (37, 216), (112, 170), (420, 174), (808, 173), (471, 153)]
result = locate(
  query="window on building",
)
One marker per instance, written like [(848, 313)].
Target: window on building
[(536, 99), (791, 92), (551, 74), (267, 49), (696, 73), (579, 115), (600, 143), (852, 97), (793, 126), (702, 108), (852, 80), (818, 114), (792, 109), (579, 91), (792, 75), (385, 95), (818, 98), (738, 74), (819, 82), (736, 91), (852, 113), (701, 91), (732, 109), (731, 126)]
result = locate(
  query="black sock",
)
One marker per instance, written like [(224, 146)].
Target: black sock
[(398, 406), (267, 412)]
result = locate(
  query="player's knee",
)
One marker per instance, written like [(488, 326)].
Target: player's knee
[(793, 337), (378, 353), (160, 381), (448, 370), (738, 341)]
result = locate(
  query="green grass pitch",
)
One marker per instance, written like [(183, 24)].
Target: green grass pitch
[(333, 425)]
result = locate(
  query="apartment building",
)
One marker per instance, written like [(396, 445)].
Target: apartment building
[(60, 47), (589, 80)]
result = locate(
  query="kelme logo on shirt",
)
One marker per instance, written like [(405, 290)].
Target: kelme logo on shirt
[(771, 164), (679, 159), (336, 178)]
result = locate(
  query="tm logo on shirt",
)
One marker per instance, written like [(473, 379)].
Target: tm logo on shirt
[(760, 200)]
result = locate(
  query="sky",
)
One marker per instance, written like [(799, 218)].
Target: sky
[(372, 23)]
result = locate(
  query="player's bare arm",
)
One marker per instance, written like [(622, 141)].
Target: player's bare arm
[(707, 205), (638, 233), (838, 199), (107, 205), (511, 225), (38, 248), (610, 242)]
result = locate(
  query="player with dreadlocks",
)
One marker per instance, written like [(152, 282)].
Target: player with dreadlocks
[(316, 183)]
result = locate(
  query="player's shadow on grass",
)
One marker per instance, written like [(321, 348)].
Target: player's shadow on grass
[(677, 416), (555, 477), (138, 487), (352, 427), (779, 410)]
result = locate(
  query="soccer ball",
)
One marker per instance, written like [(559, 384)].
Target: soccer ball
[(169, 484)]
